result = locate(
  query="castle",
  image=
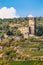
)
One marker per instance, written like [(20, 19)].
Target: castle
[(31, 29)]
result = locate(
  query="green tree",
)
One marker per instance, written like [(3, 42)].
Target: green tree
[(18, 32), (39, 31), (9, 33)]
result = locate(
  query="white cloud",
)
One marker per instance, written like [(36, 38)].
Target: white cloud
[(30, 15), (8, 13)]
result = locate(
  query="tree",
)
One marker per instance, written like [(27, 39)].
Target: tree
[(39, 31), (18, 32), (9, 33)]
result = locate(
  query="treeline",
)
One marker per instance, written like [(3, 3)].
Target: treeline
[(4, 24)]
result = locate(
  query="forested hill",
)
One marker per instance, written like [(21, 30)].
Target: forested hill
[(39, 20), (6, 23)]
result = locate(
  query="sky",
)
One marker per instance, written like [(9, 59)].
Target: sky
[(20, 8)]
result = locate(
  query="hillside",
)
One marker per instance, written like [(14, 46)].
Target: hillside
[(13, 46)]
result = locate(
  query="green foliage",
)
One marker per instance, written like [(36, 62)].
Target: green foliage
[(21, 50), (9, 33), (26, 63), (32, 39), (18, 33), (0, 27), (39, 31)]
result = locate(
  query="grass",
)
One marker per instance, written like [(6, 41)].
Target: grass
[(26, 63), (37, 53), (33, 52)]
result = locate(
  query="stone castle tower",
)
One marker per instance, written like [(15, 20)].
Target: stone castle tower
[(29, 30), (32, 25)]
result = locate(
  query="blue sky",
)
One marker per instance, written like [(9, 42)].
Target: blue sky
[(24, 7)]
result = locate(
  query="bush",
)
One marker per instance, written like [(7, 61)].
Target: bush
[(18, 33)]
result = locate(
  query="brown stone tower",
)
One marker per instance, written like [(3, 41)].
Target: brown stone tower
[(32, 25)]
